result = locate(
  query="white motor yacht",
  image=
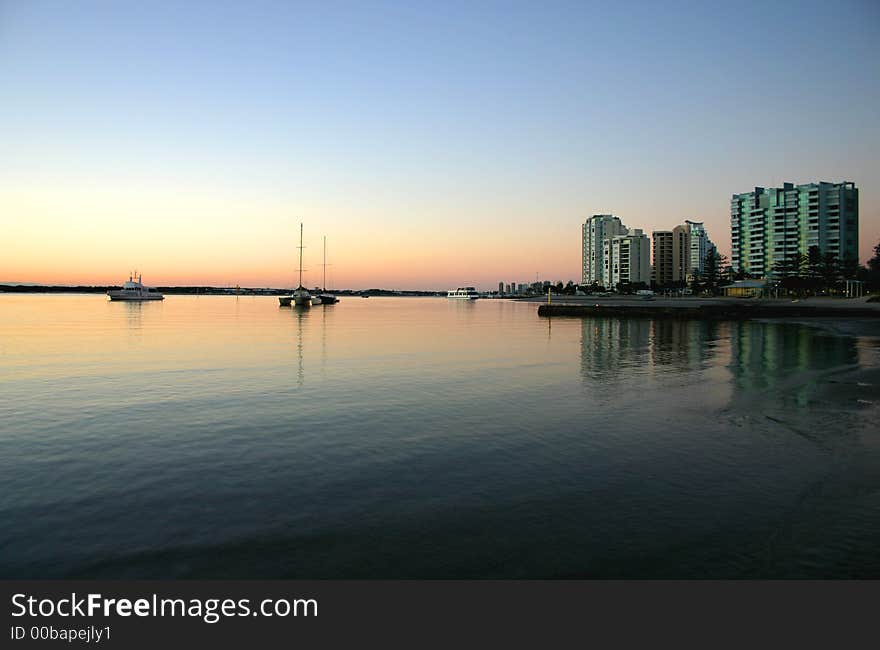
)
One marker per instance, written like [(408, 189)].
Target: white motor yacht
[(463, 293), (135, 290)]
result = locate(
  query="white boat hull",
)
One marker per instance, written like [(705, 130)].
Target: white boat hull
[(133, 298), (463, 293), (300, 298), (134, 291)]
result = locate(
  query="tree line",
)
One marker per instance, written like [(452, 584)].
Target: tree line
[(813, 273)]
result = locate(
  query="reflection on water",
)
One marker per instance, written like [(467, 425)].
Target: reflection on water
[(771, 357), (299, 314), (783, 360), (684, 344), (134, 313), (610, 346), (223, 436)]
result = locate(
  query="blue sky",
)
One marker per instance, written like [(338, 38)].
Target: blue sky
[(404, 122)]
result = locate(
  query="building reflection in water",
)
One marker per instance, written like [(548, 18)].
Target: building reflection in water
[(759, 360), (786, 361), (684, 344), (612, 346)]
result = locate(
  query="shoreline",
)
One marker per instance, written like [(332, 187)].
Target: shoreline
[(714, 309)]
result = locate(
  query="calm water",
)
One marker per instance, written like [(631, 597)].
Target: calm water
[(225, 436)]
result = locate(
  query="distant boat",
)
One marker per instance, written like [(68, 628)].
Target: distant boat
[(325, 298), (463, 293), (135, 290), (300, 296)]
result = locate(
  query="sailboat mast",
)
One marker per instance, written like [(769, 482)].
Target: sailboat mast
[(324, 280), (300, 255)]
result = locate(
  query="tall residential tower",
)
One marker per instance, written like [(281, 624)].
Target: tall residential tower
[(595, 231), (770, 226), (672, 256), (700, 245), (626, 259)]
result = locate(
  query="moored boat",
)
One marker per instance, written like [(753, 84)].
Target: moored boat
[(463, 293), (300, 296), (325, 298), (135, 290)]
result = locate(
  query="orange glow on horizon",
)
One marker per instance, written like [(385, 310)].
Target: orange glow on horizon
[(93, 236)]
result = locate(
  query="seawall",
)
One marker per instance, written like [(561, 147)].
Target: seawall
[(723, 311)]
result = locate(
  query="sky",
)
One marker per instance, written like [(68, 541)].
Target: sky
[(434, 144)]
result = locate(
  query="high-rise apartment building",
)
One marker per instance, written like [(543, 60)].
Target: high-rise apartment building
[(595, 231), (672, 256), (626, 258), (769, 227), (700, 245), (661, 268)]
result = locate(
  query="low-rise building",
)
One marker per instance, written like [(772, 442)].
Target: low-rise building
[(745, 289)]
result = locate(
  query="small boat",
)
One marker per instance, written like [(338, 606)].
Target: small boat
[(300, 296), (135, 290), (463, 293), (325, 298)]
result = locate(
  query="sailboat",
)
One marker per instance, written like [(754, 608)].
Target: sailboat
[(300, 296), (324, 297)]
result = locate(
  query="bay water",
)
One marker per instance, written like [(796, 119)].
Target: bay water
[(225, 436)]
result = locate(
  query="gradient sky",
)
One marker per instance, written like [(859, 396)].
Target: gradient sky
[(435, 144)]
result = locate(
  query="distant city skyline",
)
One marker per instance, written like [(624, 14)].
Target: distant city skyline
[(435, 145)]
